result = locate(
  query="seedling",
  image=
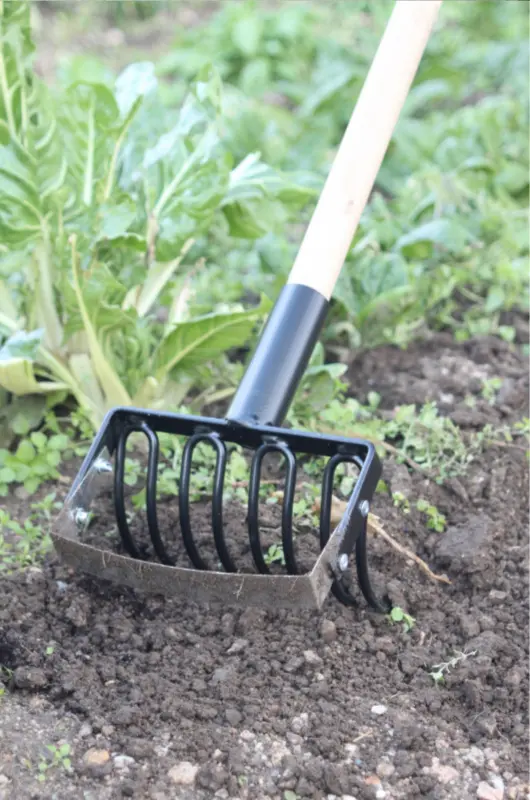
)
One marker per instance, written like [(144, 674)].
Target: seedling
[(435, 520), (490, 387), (398, 615), (274, 555), (24, 544), (59, 757), (439, 671), (401, 502)]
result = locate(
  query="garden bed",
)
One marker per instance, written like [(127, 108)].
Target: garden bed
[(285, 705)]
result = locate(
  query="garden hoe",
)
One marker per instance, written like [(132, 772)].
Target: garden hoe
[(254, 419)]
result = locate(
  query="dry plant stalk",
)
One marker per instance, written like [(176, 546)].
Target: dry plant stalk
[(338, 507)]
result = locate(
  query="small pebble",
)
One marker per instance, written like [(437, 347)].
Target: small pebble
[(497, 596), (328, 631), (443, 772), (238, 646), (96, 758), (385, 769), (85, 730), (378, 710), (183, 774), (123, 762), (312, 658), (474, 756), (487, 792), (300, 724)]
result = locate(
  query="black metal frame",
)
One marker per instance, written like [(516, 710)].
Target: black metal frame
[(121, 422)]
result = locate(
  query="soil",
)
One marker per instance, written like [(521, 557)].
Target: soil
[(162, 699)]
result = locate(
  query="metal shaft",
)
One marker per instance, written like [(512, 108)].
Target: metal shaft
[(281, 357)]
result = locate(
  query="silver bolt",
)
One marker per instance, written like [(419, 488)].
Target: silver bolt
[(343, 562), (364, 508), (102, 465), (81, 517)]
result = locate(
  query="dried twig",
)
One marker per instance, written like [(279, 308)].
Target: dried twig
[(374, 526)]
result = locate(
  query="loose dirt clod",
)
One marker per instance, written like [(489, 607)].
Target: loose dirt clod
[(183, 774)]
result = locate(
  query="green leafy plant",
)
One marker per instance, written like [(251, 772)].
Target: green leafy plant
[(435, 520), (99, 209), (490, 387), (274, 555), (34, 461), (26, 543), (57, 757), (400, 501), (397, 615)]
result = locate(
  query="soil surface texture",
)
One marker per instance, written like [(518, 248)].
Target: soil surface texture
[(160, 699)]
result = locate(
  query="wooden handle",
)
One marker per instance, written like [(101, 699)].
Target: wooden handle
[(358, 159)]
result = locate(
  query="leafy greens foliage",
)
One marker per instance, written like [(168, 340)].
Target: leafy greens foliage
[(99, 207)]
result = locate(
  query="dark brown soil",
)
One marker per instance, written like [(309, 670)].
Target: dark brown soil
[(332, 705)]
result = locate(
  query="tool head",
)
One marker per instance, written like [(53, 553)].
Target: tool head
[(103, 470)]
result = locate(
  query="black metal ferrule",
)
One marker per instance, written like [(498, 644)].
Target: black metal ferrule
[(280, 358)]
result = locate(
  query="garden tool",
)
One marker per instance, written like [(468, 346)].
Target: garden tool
[(262, 400)]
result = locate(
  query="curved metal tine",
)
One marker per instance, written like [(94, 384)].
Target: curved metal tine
[(184, 503), (287, 510), (253, 508), (327, 496), (361, 558), (150, 494), (338, 589), (119, 500), (217, 503)]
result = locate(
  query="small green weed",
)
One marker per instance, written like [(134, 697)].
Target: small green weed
[(435, 520), (438, 671), (274, 555), (490, 387), (24, 544), (59, 757), (400, 501), (398, 615), (34, 461)]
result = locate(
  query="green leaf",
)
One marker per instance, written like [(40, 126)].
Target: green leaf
[(7, 475), (136, 81), (201, 340), (21, 345), (115, 220), (446, 233), (25, 452), (246, 33), (108, 377), (32, 484), (38, 439), (18, 377)]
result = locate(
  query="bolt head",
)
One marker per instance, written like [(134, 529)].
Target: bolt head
[(364, 508), (81, 517), (343, 562)]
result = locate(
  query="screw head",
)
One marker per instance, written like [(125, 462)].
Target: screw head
[(343, 562), (364, 508)]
